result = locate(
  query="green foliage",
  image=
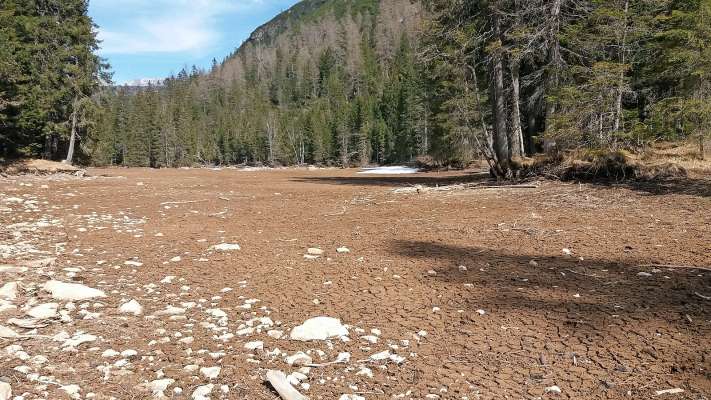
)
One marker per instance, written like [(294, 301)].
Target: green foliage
[(297, 111), (47, 67)]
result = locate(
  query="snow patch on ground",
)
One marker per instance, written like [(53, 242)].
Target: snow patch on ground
[(390, 170)]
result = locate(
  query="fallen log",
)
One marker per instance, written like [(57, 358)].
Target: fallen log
[(278, 381)]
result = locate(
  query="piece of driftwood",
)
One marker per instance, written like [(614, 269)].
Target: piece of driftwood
[(278, 381), (182, 202), (672, 266), (702, 296)]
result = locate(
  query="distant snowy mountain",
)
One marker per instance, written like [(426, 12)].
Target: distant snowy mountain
[(144, 82)]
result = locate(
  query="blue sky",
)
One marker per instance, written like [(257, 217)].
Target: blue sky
[(156, 38)]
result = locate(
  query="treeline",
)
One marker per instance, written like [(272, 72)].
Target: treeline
[(352, 82), (48, 74), (334, 82), (296, 114), (523, 76)]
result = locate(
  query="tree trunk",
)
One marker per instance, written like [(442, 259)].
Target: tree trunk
[(271, 136), (554, 64), (72, 138), (702, 150), (516, 132), (498, 106), (620, 88)]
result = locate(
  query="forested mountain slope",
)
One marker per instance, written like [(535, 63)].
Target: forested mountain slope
[(326, 81), (353, 82)]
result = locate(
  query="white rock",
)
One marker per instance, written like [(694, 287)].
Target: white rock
[(44, 311), (351, 397), (256, 345), (553, 389), (343, 357), (216, 313), (644, 274), (567, 252), (13, 349), (71, 291), (170, 310), (5, 391), (187, 340), (299, 359), (370, 339), (110, 353), (131, 307), (202, 392), (343, 250), (397, 359), (226, 247), (319, 328), (78, 339), (27, 323), (133, 263), (168, 279), (276, 334), (39, 360), (480, 312), (157, 387), (7, 333), (365, 371), (8, 291), (129, 353), (71, 390), (210, 372), (23, 369), (383, 355), (176, 259), (314, 251)]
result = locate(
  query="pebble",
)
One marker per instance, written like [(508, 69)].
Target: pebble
[(351, 397), (226, 247), (256, 345), (5, 391), (553, 389), (9, 291), (44, 311), (319, 328), (110, 353), (71, 291), (314, 251), (202, 392), (210, 372), (299, 359), (131, 307)]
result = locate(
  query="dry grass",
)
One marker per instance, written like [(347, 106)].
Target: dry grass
[(685, 154), (36, 167), (602, 165)]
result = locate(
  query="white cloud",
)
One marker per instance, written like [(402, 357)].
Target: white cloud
[(162, 26)]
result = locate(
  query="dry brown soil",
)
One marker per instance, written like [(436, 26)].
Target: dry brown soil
[(480, 274)]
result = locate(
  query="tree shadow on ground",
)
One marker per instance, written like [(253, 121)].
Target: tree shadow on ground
[(399, 180), (700, 187), (607, 289)]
